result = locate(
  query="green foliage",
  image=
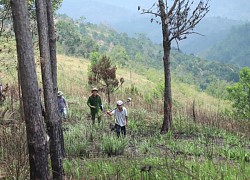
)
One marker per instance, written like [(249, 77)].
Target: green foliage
[(190, 69), (217, 89), (55, 3), (94, 57), (103, 75), (72, 39), (75, 141), (77, 37), (112, 145), (239, 93), (119, 56)]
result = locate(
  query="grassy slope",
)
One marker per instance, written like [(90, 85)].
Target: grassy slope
[(198, 150), (72, 78)]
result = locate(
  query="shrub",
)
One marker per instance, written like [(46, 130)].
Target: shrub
[(111, 145), (75, 140)]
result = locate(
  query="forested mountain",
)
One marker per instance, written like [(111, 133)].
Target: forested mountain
[(84, 39), (125, 18), (213, 30), (233, 49)]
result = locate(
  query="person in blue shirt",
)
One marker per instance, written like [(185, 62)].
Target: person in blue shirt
[(62, 105)]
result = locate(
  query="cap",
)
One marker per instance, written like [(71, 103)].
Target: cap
[(119, 103), (94, 89), (59, 93)]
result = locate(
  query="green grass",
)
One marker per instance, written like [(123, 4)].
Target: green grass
[(112, 145), (212, 147), (190, 151)]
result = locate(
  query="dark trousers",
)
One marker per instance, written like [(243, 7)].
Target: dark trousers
[(120, 129), (93, 116)]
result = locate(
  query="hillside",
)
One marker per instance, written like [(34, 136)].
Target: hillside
[(210, 140), (73, 79), (125, 18), (204, 142), (81, 38), (213, 29), (204, 139), (233, 49)]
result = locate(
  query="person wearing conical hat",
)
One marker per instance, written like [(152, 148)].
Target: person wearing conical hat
[(62, 105), (95, 104)]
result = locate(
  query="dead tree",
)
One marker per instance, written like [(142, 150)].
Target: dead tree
[(51, 116), (36, 136), (177, 20)]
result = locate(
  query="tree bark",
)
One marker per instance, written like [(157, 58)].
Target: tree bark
[(52, 115), (36, 136), (53, 60), (167, 121), (52, 45)]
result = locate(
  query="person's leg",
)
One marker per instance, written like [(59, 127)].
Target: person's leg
[(123, 130), (118, 130), (93, 117), (61, 113), (99, 118)]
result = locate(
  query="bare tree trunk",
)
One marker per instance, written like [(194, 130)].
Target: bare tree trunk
[(177, 22), (52, 45), (53, 60), (52, 115), (167, 121), (36, 136)]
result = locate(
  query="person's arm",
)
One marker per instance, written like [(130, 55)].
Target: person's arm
[(111, 112), (99, 102), (126, 116)]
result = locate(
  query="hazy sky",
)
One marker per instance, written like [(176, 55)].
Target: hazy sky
[(224, 8), (128, 4)]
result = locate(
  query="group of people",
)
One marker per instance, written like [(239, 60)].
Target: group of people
[(96, 109), (120, 112)]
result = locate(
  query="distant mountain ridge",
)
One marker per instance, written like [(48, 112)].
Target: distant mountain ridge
[(124, 17), (234, 49), (81, 38)]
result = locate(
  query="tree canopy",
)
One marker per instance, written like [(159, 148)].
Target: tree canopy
[(239, 93)]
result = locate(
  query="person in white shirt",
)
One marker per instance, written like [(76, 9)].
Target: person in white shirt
[(121, 118)]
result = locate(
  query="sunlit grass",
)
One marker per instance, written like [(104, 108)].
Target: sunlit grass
[(192, 150)]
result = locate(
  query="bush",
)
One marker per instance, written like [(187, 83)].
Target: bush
[(76, 143), (111, 145)]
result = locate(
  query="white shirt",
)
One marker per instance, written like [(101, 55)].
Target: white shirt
[(120, 116)]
